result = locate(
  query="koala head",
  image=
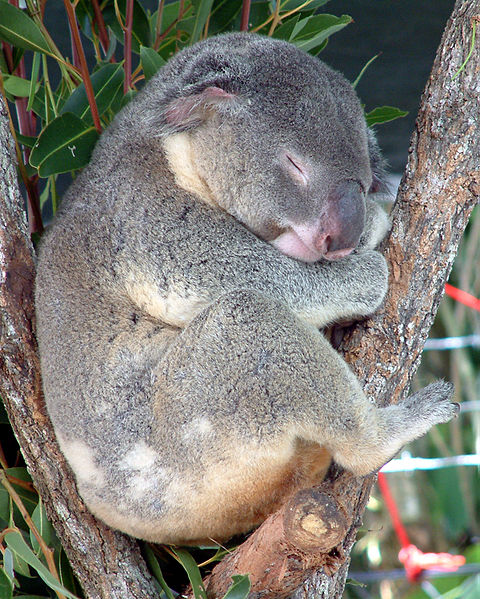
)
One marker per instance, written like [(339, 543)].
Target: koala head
[(271, 135)]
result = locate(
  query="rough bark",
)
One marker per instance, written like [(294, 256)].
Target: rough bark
[(440, 187), (107, 563)]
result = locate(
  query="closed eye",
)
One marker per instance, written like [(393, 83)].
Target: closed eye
[(297, 169)]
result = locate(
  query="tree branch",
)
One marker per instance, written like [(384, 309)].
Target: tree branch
[(107, 563)]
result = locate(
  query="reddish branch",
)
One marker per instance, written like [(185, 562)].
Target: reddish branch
[(72, 20), (245, 15), (128, 46), (102, 30)]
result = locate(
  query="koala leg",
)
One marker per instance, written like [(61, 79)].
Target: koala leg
[(242, 392)]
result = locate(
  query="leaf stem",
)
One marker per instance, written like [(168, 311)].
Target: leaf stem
[(474, 22)]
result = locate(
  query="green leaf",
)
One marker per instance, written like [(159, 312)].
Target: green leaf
[(284, 32), (15, 542), (225, 16), (44, 528), (16, 86), (8, 510), (34, 79), (105, 83), (240, 587), (64, 145), (383, 114), (17, 28), (65, 572), (157, 572), (25, 140), (202, 10), (8, 563), (193, 572), (6, 585), (312, 32), (294, 4), (141, 25), (151, 61)]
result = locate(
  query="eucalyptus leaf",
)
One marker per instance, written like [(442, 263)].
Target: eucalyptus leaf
[(16, 86), (202, 10), (225, 16), (64, 145), (6, 585), (157, 572), (8, 563), (65, 572), (313, 31), (285, 31), (20, 565), (384, 114), (151, 61), (105, 83), (29, 499), (15, 542), (240, 587), (17, 28), (44, 528), (33, 86), (299, 4), (141, 25), (193, 572)]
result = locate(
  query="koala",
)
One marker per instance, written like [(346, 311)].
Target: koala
[(228, 215)]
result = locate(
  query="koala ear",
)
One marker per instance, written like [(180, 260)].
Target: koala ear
[(189, 111), (378, 165)]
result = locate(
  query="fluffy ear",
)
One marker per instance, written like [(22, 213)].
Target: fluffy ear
[(378, 165), (189, 111)]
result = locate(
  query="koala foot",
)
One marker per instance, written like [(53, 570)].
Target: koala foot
[(432, 404), (382, 434)]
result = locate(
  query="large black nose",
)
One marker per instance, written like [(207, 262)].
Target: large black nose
[(346, 216)]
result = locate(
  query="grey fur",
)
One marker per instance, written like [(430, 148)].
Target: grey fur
[(182, 364)]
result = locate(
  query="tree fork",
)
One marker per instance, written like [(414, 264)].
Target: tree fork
[(440, 187)]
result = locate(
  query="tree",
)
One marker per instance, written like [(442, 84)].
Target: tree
[(440, 187)]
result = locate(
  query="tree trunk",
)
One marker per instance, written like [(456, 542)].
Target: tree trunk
[(440, 188), (108, 564)]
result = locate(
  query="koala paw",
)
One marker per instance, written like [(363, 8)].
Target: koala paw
[(377, 225), (367, 284), (432, 405)]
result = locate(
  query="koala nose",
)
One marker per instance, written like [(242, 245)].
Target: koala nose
[(344, 222)]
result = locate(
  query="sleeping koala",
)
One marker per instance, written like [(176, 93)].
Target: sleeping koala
[(226, 216)]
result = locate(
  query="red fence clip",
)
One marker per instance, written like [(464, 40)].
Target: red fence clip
[(415, 561), (462, 296)]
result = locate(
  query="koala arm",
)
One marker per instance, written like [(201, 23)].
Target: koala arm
[(173, 278)]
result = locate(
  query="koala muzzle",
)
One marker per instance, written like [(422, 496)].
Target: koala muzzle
[(334, 234), (345, 220)]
